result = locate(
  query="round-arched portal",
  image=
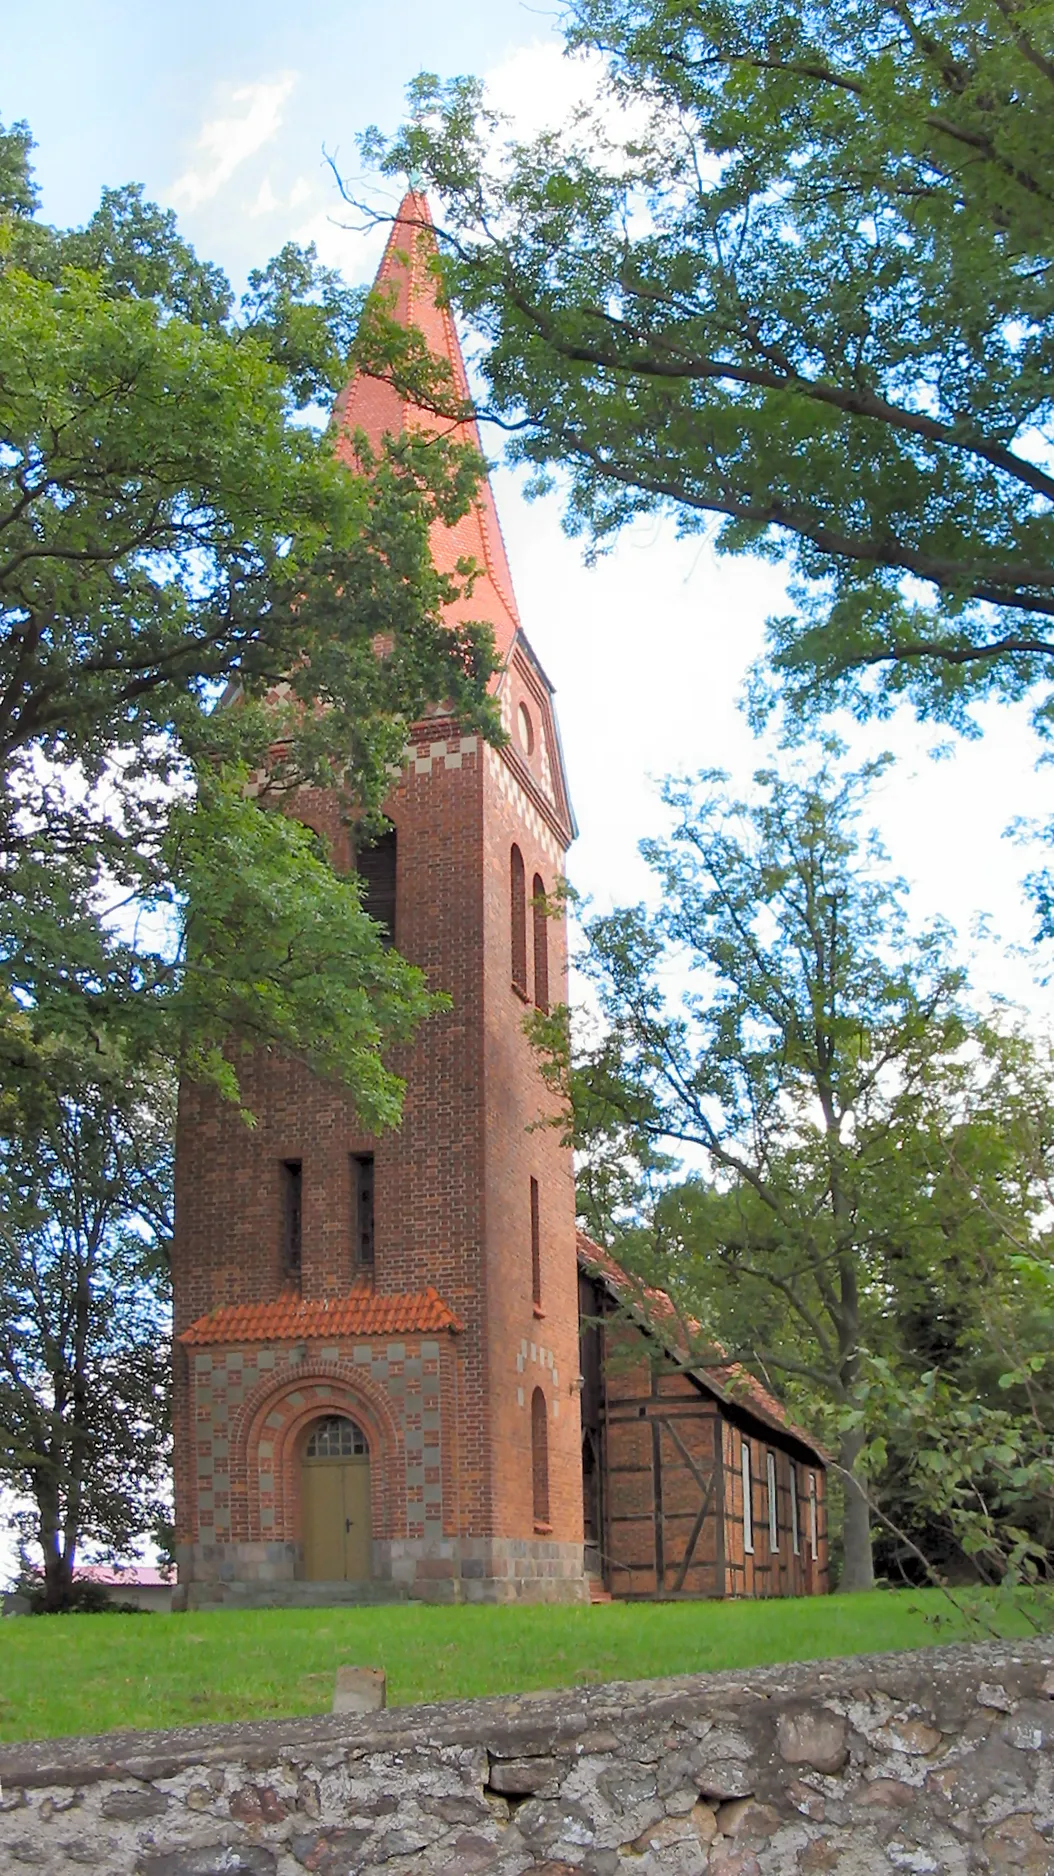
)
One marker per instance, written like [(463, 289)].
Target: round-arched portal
[(336, 1524)]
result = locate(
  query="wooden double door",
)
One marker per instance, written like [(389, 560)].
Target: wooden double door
[(336, 1521)]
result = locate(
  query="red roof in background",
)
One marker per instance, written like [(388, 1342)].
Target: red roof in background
[(126, 1575), (291, 1318), (376, 407), (655, 1310)]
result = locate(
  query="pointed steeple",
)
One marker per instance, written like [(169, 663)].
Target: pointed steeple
[(377, 408)]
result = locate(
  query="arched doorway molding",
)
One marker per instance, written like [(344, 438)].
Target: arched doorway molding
[(278, 1417)]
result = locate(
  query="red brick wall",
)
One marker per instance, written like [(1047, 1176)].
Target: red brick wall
[(526, 1347), (452, 1184), (428, 1175)]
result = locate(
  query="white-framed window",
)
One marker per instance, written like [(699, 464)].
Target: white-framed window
[(795, 1540), (774, 1512), (748, 1498), (814, 1550)]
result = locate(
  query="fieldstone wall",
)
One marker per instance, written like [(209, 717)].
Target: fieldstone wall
[(938, 1763)]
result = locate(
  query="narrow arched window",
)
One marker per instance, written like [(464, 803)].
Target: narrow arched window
[(518, 915), (375, 865), (541, 944), (536, 1245), (292, 1176), (814, 1522), (540, 1456)]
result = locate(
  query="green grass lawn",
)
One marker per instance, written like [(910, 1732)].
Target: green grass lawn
[(91, 1674)]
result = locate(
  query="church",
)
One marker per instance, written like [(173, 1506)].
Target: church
[(399, 1372)]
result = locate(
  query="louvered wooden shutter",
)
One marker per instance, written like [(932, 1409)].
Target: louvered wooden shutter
[(376, 866)]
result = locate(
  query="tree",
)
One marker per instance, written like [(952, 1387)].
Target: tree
[(859, 1176), (173, 521), (168, 520), (85, 1183), (953, 1391), (804, 287)]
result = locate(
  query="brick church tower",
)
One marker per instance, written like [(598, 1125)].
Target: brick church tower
[(376, 1340)]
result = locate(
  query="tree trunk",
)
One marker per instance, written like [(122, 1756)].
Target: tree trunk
[(58, 1582), (58, 1577), (858, 1569)]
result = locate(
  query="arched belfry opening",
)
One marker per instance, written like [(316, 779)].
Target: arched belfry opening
[(335, 1516)]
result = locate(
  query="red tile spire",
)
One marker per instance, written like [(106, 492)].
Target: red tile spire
[(374, 406)]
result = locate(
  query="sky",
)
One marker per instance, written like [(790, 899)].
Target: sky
[(225, 111)]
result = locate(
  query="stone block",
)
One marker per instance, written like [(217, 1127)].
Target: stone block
[(821, 1854), (1030, 1728), (746, 1818), (360, 1690), (520, 1778), (456, 1809), (257, 1804), (721, 1779), (887, 1792), (134, 1802), (805, 1800), (330, 1850), (1016, 1845), (470, 1855), (440, 1589), (992, 1694), (217, 1859), (815, 1736), (916, 1738)]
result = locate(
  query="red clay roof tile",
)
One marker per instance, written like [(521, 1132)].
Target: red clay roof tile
[(292, 1318)]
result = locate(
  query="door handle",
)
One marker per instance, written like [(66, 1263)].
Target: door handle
[(347, 1524)]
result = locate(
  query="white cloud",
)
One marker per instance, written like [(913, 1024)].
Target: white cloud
[(339, 244), (253, 116), (540, 88), (266, 202), (270, 204)]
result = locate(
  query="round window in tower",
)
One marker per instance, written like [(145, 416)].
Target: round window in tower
[(526, 729)]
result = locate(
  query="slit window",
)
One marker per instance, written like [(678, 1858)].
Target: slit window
[(536, 1245), (774, 1511), (362, 1208), (540, 1457), (795, 1539), (292, 1216), (518, 919), (814, 1546), (541, 943), (375, 865), (748, 1498)]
